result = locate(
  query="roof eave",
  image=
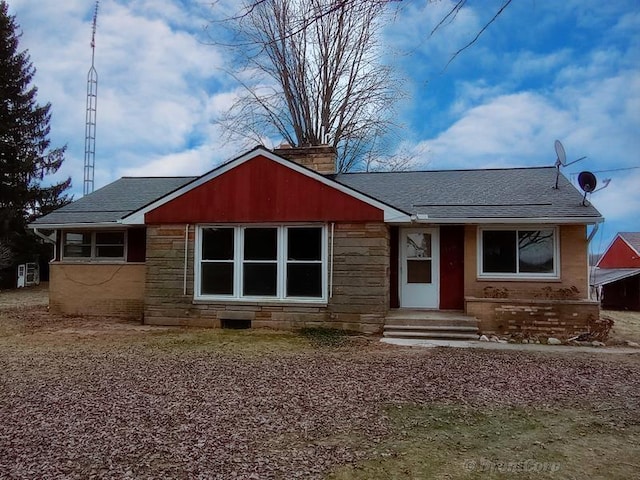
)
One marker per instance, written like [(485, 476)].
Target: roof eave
[(505, 220), (86, 225)]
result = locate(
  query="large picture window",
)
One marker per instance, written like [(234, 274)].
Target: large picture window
[(273, 262), (96, 245), (518, 253)]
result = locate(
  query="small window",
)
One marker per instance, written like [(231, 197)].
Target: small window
[(77, 245), (304, 262), (216, 274), (527, 253), (99, 245)]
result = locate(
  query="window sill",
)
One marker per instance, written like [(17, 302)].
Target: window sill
[(494, 278), (260, 302), (93, 262)]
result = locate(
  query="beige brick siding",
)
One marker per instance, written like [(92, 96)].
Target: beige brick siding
[(533, 308), (534, 318), (360, 285), (97, 289)]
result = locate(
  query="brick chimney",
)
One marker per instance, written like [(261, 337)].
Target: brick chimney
[(321, 158)]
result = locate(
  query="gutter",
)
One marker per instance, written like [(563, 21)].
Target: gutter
[(48, 239), (509, 221)]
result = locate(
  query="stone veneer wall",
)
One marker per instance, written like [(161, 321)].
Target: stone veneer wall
[(534, 307), (360, 285), (97, 289)]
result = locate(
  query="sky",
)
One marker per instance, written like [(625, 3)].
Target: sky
[(543, 71)]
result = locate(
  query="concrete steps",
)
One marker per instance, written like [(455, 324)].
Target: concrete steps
[(430, 325)]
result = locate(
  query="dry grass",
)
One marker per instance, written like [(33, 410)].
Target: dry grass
[(100, 398), (626, 326)]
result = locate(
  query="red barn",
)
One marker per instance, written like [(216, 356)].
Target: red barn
[(617, 275)]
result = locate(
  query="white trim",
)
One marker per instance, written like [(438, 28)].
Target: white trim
[(509, 221), (281, 262), (555, 275), (76, 226), (630, 246), (390, 214)]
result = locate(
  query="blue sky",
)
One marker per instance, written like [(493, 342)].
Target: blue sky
[(545, 70)]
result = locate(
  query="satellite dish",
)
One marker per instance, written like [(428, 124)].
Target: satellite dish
[(562, 157), (587, 181)]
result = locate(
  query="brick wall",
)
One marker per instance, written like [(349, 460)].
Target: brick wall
[(360, 285), (97, 289), (534, 318)]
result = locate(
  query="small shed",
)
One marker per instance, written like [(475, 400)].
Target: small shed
[(616, 278)]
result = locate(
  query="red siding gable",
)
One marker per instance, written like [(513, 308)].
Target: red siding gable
[(619, 255), (261, 190)]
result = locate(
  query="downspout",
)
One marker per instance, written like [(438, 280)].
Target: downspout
[(49, 240), (590, 269), (596, 226), (331, 263), (186, 258)]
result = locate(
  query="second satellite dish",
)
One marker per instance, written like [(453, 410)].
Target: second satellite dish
[(587, 181)]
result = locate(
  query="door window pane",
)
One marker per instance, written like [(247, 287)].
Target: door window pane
[(216, 278), (499, 251), (419, 245), (217, 243), (260, 244), (260, 279), (304, 244), (304, 280), (419, 271)]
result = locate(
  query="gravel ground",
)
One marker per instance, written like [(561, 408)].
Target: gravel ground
[(123, 409)]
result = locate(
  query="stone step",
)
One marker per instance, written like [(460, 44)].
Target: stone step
[(432, 328), (460, 321), (430, 335)]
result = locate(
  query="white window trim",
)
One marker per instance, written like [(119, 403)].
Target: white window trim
[(238, 262), (93, 258), (555, 275)]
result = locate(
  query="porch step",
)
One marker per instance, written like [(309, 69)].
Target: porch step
[(430, 324), (441, 335)]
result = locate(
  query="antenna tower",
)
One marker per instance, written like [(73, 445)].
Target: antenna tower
[(92, 104)]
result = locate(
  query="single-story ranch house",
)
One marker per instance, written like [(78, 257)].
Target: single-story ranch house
[(277, 239)]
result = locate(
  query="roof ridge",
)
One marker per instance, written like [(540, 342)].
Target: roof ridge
[(456, 170)]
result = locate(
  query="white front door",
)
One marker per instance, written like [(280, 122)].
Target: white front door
[(419, 268)]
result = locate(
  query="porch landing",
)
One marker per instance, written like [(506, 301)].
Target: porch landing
[(430, 325)]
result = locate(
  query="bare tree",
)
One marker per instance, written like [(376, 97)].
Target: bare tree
[(312, 82), (311, 73)]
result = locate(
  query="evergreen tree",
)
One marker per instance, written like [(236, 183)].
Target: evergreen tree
[(25, 156)]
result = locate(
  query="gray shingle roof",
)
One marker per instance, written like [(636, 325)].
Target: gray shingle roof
[(445, 194), (112, 202), (494, 193), (604, 276), (632, 238)]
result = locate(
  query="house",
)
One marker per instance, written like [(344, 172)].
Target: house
[(616, 278), (277, 239)]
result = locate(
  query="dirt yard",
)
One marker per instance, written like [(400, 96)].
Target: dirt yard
[(112, 399)]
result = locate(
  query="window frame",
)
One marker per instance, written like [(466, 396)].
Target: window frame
[(281, 264), (94, 247), (554, 275)]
